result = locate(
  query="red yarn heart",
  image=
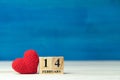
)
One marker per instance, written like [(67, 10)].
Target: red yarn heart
[(28, 64)]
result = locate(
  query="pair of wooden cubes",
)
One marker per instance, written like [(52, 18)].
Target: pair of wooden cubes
[(51, 65)]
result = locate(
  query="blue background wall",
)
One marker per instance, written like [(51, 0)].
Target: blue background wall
[(75, 29)]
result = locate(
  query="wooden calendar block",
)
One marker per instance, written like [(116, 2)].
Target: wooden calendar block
[(57, 63), (51, 65), (45, 63)]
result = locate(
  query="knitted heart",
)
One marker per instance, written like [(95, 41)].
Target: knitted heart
[(28, 64)]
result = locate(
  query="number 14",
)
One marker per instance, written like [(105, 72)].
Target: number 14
[(57, 63)]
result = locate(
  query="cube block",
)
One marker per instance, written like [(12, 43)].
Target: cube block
[(51, 65)]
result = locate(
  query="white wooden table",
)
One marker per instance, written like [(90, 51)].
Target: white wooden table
[(74, 70)]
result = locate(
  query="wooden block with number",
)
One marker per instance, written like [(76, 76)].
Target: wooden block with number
[(51, 65)]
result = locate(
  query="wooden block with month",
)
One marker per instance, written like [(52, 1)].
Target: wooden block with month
[(51, 65)]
